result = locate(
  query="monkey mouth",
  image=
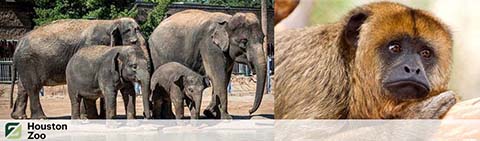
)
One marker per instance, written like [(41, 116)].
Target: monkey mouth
[(407, 89)]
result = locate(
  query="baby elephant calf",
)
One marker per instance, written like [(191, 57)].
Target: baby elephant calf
[(173, 82), (100, 71)]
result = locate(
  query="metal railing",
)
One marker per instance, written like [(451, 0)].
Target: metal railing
[(6, 70)]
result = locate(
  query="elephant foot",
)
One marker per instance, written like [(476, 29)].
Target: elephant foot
[(83, 116), (39, 116), (18, 116), (130, 116), (226, 116), (209, 113), (147, 116)]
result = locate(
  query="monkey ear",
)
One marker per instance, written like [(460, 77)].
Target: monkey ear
[(352, 28)]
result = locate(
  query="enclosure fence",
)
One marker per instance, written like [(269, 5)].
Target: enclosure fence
[(6, 71), (7, 47)]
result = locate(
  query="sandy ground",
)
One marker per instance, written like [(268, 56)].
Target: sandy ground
[(56, 103)]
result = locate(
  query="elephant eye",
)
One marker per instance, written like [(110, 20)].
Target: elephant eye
[(244, 41), (126, 31), (133, 66)]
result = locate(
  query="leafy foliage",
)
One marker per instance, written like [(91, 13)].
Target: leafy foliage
[(51, 10), (243, 3), (155, 16)]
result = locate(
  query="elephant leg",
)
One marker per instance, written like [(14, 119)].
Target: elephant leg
[(157, 109), (218, 75), (103, 109), (157, 104), (110, 103), (176, 96), (20, 103), (35, 106), (75, 100), (179, 109), (212, 110), (91, 108), (192, 108), (167, 112), (83, 109), (128, 94)]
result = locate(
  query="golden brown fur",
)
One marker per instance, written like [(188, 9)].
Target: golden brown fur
[(319, 75)]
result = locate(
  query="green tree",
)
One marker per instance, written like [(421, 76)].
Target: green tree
[(243, 3), (155, 16), (50, 10)]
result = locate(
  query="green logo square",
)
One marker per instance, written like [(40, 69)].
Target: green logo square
[(13, 130)]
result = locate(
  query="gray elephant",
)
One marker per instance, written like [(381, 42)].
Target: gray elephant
[(173, 82), (100, 71), (209, 43), (42, 55)]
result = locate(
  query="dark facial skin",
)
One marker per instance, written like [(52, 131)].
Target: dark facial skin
[(407, 63)]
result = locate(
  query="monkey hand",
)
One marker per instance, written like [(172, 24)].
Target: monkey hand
[(432, 108)]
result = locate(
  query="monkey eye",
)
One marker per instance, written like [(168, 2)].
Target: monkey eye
[(425, 53), (395, 48)]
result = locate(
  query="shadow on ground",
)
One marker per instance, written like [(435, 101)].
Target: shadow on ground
[(240, 117)]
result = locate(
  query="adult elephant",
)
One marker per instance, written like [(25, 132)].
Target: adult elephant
[(209, 43), (42, 55)]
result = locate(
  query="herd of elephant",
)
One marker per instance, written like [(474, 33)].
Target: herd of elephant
[(97, 58)]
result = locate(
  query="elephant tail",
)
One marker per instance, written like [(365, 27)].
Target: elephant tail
[(14, 76)]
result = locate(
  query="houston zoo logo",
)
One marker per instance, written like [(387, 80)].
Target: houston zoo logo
[(13, 130)]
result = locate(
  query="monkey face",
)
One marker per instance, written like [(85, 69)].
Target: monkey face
[(407, 62), (407, 52)]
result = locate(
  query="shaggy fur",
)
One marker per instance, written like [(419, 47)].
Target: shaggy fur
[(320, 75)]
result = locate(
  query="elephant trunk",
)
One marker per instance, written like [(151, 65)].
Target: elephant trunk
[(257, 60), (197, 100), (144, 79), (142, 43)]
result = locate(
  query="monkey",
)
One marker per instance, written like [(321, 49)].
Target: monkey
[(283, 8), (383, 60)]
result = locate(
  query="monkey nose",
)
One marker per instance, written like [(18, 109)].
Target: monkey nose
[(412, 70)]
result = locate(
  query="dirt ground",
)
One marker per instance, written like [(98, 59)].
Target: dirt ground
[(56, 103)]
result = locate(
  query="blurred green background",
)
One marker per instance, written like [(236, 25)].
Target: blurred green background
[(327, 11)]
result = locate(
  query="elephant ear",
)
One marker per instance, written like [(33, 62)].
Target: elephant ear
[(206, 81), (237, 20), (179, 82), (220, 36), (115, 36), (117, 63)]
